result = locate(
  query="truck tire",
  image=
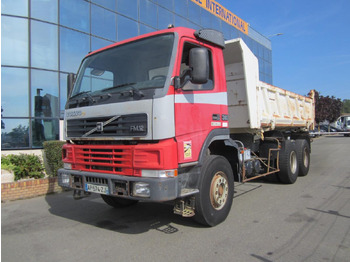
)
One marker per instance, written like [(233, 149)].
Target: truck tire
[(214, 200), (303, 152), (288, 163), (118, 202)]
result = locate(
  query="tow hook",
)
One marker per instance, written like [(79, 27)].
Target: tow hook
[(78, 194)]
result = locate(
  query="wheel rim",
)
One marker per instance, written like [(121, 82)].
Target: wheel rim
[(219, 190), (306, 158), (293, 162)]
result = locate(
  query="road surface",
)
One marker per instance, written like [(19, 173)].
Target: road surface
[(307, 221)]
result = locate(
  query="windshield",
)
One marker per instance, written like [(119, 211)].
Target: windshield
[(129, 71)]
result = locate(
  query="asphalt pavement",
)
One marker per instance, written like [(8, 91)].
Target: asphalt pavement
[(306, 221)]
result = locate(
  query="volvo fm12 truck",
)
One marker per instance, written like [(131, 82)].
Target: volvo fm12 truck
[(179, 115)]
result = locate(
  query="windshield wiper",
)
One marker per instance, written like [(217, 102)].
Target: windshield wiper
[(114, 87), (84, 98), (80, 93), (134, 92)]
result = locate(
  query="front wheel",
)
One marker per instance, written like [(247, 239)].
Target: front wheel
[(214, 200)]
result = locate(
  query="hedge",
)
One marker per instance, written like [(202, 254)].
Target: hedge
[(53, 154), (23, 166)]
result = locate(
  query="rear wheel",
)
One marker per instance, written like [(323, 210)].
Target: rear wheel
[(214, 200), (118, 202), (303, 150), (288, 163)]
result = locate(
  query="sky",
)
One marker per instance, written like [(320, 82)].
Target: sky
[(314, 50)]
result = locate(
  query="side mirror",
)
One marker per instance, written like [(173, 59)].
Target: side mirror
[(199, 63), (70, 83)]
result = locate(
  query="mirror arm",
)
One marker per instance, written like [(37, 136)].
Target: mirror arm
[(70, 83)]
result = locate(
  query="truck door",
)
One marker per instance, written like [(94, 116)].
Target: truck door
[(199, 108)]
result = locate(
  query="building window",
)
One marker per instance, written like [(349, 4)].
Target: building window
[(128, 8), (44, 130), (44, 94), (75, 14), (14, 41), (103, 23), (14, 133), (44, 10), (74, 46), (11, 7), (126, 28), (44, 45), (14, 92), (148, 13)]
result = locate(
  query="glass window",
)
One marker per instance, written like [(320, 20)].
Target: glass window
[(113, 71), (260, 51), (14, 92), (181, 7), (44, 10), (97, 43), (148, 13), (179, 21), (206, 19), (185, 71), (216, 23), (44, 45), (128, 8), (144, 29), (234, 32), (75, 14), (126, 28), (14, 7), (44, 94), (226, 31), (103, 23), (164, 18), (193, 26), (14, 133), (63, 93), (110, 4), (169, 4), (14, 41), (44, 130), (74, 47), (194, 12)]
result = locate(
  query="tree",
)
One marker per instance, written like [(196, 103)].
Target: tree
[(327, 108), (346, 106)]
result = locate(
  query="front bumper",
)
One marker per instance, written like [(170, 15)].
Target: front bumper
[(161, 189)]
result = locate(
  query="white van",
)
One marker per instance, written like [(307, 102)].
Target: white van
[(343, 123)]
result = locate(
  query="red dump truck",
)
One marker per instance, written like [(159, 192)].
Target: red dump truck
[(179, 115)]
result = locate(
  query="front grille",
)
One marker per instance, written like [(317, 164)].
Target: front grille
[(104, 159), (97, 180), (126, 125)]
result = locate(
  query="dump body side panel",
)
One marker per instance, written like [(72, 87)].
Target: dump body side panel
[(255, 106)]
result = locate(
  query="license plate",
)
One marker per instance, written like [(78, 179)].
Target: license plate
[(97, 189)]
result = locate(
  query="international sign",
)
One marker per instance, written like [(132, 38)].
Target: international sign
[(218, 10)]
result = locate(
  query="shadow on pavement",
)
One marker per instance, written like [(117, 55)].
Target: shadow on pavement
[(136, 219)]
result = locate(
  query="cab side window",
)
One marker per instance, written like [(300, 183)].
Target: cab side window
[(184, 71)]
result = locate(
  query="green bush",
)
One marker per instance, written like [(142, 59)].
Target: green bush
[(53, 153), (23, 166)]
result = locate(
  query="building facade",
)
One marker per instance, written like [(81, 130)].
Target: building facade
[(44, 40)]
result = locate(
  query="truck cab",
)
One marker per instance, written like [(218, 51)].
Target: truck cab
[(151, 118)]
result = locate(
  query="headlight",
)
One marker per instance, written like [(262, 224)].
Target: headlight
[(65, 179), (67, 165), (141, 189)]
